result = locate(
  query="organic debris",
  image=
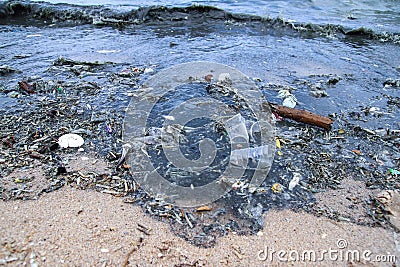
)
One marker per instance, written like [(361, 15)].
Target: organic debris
[(26, 87), (4, 70), (302, 116), (88, 99)]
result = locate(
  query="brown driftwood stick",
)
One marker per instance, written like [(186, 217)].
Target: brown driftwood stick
[(302, 116)]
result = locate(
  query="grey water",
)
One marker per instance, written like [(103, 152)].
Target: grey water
[(381, 15)]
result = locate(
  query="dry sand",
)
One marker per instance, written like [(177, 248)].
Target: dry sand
[(72, 227)]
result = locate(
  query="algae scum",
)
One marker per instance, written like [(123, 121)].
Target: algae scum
[(73, 69)]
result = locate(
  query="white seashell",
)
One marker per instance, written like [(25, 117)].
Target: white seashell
[(70, 140)]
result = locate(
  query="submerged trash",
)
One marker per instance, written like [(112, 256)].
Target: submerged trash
[(70, 140), (240, 157)]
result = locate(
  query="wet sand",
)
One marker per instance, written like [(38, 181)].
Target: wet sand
[(71, 227)]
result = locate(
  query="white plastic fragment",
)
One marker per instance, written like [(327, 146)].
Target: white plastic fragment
[(70, 140), (148, 70), (289, 100), (295, 181)]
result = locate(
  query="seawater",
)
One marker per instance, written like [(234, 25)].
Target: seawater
[(380, 15)]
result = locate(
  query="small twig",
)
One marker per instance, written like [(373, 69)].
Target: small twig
[(144, 229), (143, 226), (188, 221), (135, 248), (125, 150)]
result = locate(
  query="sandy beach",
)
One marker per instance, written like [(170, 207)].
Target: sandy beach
[(71, 227)]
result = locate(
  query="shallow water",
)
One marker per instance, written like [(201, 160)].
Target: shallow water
[(275, 54)]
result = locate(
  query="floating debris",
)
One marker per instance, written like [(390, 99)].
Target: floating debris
[(107, 51), (208, 77), (4, 70)]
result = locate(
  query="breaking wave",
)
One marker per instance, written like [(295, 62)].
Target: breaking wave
[(66, 14)]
